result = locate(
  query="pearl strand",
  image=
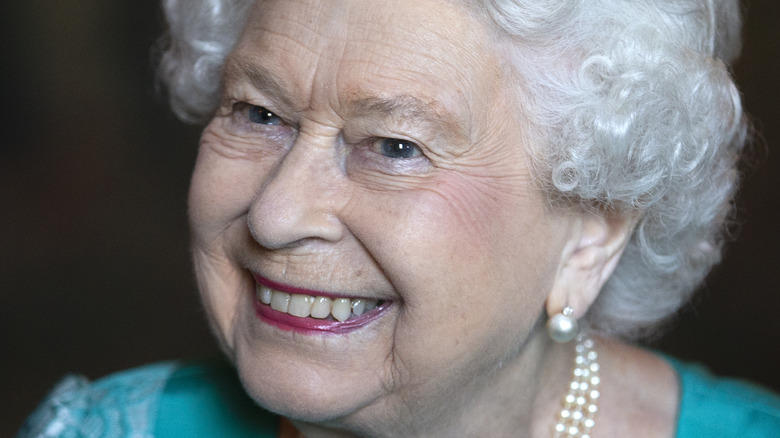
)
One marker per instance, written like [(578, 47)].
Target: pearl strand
[(577, 416)]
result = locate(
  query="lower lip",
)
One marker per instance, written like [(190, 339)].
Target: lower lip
[(311, 326)]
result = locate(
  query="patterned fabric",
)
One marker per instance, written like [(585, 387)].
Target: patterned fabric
[(121, 405)]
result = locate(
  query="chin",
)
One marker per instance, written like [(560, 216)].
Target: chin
[(301, 390)]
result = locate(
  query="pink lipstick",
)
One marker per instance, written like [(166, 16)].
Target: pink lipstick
[(278, 316)]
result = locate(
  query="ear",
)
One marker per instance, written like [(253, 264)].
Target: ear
[(588, 259)]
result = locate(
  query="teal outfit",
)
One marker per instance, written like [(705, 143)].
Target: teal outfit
[(714, 407), (206, 400), (171, 399)]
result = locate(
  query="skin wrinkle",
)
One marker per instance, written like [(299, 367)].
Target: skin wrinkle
[(494, 243), (215, 236), (413, 76), (263, 79), (407, 110), (234, 147), (576, 36), (300, 28), (376, 240), (315, 256), (398, 107), (344, 283), (223, 331), (238, 70)]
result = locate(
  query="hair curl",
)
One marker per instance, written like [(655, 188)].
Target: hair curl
[(633, 101)]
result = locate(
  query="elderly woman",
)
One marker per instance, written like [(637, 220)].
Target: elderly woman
[(403, 212)]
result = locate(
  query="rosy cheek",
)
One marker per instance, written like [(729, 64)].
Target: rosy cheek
[(447, 216), (476, 210)]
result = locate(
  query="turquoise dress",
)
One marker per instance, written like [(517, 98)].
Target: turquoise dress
[(170, 399), (715, 407), (206, 400)]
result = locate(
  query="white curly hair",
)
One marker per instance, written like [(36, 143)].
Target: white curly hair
[(635, 106)]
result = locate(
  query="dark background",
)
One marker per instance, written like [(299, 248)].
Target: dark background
[(94, 266)]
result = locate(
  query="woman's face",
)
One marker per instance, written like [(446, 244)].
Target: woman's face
[(369, 150)]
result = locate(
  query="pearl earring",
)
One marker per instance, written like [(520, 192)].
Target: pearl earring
[(562, 327)]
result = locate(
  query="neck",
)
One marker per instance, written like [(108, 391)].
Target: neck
[(524, 397)]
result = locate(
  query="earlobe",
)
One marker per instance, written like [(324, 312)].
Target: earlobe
[(591, 254)]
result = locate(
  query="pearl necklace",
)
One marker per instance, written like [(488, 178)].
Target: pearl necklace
[(580, 404)]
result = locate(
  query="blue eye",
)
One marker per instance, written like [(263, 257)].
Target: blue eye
[(262, 116), (396, 148)]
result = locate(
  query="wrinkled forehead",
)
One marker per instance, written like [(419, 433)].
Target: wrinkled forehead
[(436, 50)]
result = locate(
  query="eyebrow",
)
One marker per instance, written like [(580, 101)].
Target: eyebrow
[(261, 78), (404, 107), (408, 107)]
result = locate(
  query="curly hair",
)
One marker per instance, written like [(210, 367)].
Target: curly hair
[(636, 114)]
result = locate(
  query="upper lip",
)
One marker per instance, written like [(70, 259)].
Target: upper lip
[(282, 287)]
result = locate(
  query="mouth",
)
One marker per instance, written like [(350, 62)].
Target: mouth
[(303, 310)]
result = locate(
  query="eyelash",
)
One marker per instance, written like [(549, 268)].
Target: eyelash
[(260, 115), (398, 147), (254, 118), (245, 112), (245, 119)]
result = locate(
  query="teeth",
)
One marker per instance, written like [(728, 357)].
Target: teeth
[(263, 294), (358, 306), (300, 305), (280, 301), (317, 307), (321, 307), (342, 309)]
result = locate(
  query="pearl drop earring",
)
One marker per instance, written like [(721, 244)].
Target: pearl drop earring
[(562, 327)]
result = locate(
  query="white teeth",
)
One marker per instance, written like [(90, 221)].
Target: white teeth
[(321, 307), (358, 306), (300, 305), (342, 309), (263, 294), (317, 307), (280, 301)]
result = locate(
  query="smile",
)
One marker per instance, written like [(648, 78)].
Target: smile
[(297, 309), (302, 306)]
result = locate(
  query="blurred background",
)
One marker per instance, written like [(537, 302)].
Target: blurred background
[(94, 265)]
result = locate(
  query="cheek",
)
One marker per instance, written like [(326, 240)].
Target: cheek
[(222, 188), (461, 227), (472, 273), (221, 191), (462, 253)]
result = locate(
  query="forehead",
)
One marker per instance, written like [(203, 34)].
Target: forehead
[(329, 52)]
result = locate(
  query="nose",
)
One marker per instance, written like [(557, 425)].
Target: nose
[(299, 200)]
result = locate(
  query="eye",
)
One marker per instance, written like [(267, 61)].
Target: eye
[(261, 115), (396, 148)]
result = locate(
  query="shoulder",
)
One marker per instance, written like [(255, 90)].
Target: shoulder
[(712, 406), (650, 394), (111, 406), (157, 400)]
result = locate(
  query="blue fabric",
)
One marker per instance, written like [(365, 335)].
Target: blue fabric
[(124, 404), (206, 400), (162, 400), (724, 408)]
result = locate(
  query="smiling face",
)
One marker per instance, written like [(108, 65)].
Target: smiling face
[(367, 151)]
